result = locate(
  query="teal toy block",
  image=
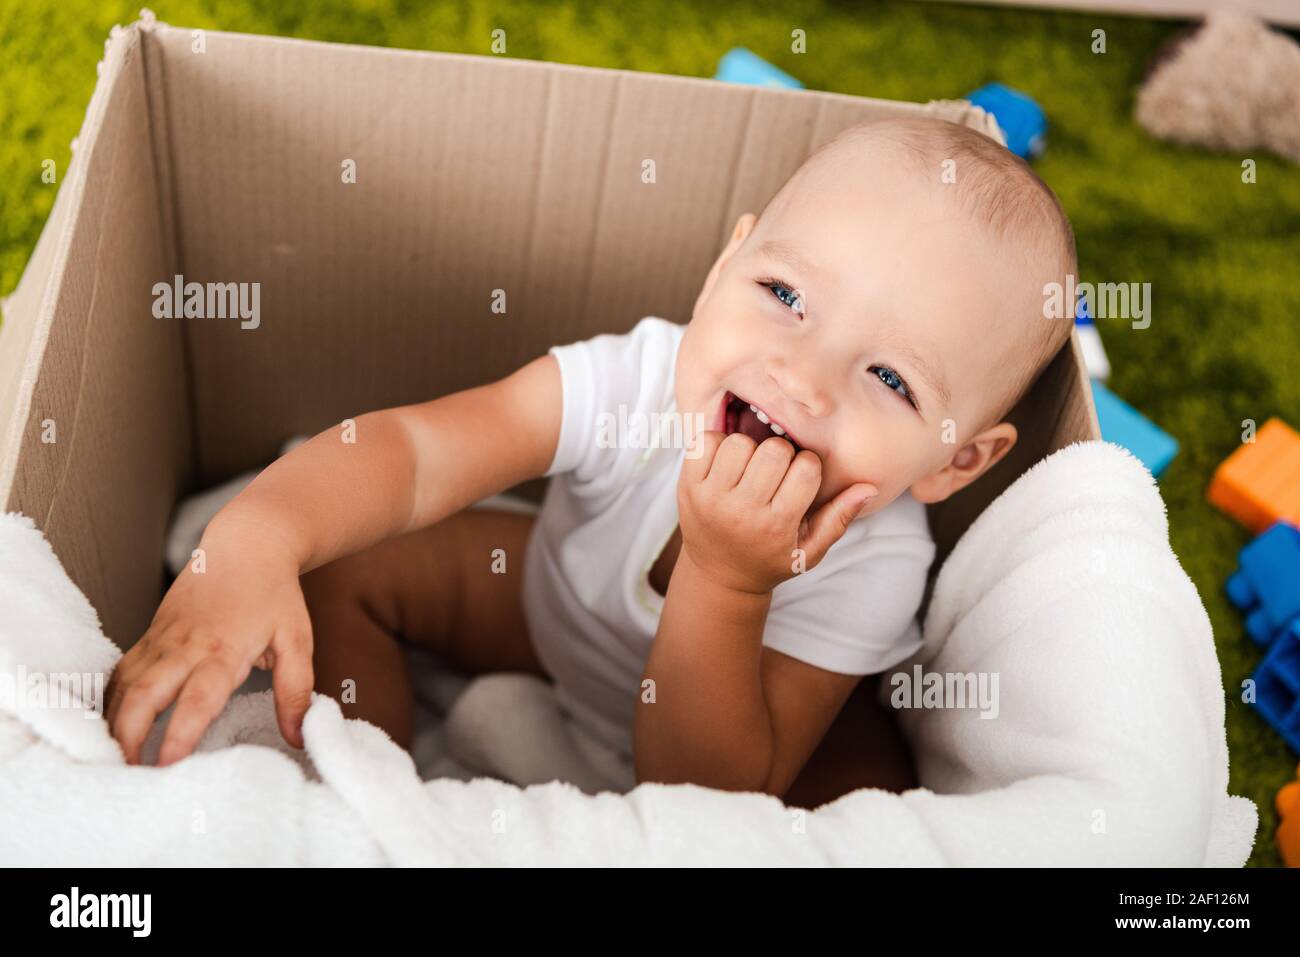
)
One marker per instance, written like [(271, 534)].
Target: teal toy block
[(1126, 426), (739, 65)]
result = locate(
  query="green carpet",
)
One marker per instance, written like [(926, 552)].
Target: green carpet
[(1224, 341)]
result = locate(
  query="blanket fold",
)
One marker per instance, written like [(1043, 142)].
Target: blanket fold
[(1103, 744)]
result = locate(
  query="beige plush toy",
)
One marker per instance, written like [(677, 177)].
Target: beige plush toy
[(1232, 84)]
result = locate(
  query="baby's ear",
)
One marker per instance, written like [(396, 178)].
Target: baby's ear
[(969, 462)]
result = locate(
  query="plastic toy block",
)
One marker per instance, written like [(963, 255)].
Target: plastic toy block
[(1094, 355), (1277, 686), (1022, 120), (1288, 832), (739, 65), (1259, 484), (1124, 425), (1266, 585)]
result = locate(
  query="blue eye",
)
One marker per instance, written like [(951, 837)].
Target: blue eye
[(895, 382), (785, 294)]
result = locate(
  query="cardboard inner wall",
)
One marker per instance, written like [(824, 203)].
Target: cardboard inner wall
[(110, 389), (473, 174)]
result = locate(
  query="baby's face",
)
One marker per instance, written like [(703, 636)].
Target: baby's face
[(863, 318)]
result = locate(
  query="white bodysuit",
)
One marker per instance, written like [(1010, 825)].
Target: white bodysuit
[(609, 511)]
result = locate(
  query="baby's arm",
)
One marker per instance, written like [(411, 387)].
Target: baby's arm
[(727, 712), (401, 469), (406, 467)]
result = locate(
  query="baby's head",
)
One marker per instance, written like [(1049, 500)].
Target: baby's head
[(886, 309)]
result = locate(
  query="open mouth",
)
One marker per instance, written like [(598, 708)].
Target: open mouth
[(741, 415)]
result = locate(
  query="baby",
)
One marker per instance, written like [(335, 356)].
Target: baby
[(708, 605)]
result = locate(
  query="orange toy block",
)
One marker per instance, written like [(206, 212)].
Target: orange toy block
[(1288, 832), (1259, 484)]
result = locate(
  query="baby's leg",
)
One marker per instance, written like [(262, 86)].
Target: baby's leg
[(862, 749), (434, 587)]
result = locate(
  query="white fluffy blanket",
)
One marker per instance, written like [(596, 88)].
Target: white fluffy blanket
[(1107, 747)]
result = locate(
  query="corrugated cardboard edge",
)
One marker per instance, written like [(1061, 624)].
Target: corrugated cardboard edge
[(954, 110), (1081, 367), (1279, 11), (29, 311)]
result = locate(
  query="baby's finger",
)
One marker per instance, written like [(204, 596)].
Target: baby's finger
[(117, 682), (129, 667), (699, 455), (146, 697), (292, 683), (766, 469), (799, 487), (729, 464), (828, 525), (202, 699)]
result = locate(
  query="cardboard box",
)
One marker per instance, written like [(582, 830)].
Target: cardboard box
[(223, 158)]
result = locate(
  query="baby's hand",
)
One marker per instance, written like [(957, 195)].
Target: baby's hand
[(743, 511), (245, 609)]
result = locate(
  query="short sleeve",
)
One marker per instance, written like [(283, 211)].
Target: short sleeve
[(857, 617), (606, 382)]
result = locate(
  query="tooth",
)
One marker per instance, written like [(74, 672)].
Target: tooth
[(762, 416), (752, 407), (776, 428)]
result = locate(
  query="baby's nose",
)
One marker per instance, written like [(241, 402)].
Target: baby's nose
[(802, 385)]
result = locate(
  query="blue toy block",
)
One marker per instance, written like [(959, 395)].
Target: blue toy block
[(1277, 686), (739, 65), (1022, 120), (1124, 425), (1266, 585)]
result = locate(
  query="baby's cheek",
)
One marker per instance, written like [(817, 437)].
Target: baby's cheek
[(863, 467), (888, 478), (835, 481)]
